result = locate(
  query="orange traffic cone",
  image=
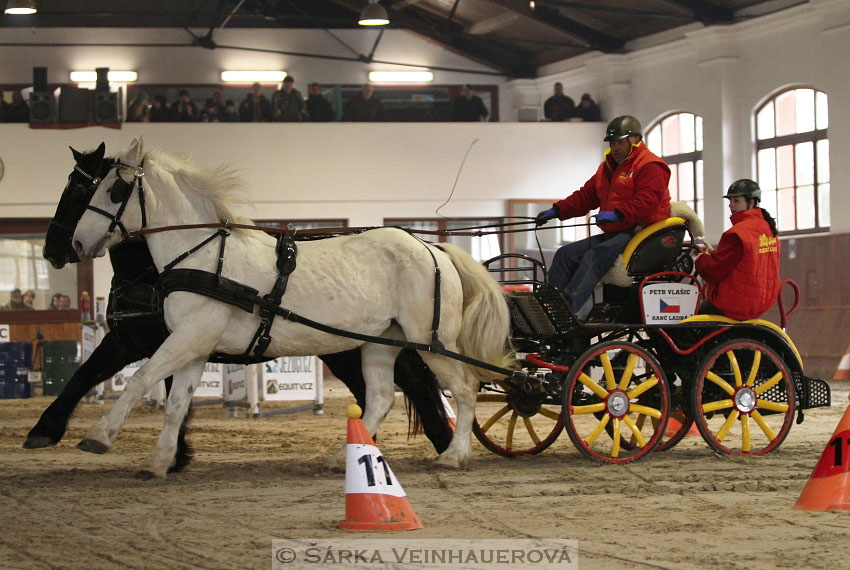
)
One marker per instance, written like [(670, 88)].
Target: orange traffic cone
[(374, 499), (673, 426), (828, 488), (843, 370)]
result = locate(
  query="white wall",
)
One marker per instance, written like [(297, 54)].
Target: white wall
[(723, 73), (362, 172)]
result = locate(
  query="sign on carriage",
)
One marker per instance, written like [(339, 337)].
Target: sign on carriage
[(291, 378), (665, 303)]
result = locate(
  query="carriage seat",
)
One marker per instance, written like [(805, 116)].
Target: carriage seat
[(656, 247)]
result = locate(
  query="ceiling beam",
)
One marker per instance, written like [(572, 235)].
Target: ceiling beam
[(592, 37), (492, 24), (450, 35), (706, 12)]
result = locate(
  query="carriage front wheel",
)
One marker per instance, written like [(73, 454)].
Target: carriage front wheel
[(510, 421), (744, 398), (609, 393)]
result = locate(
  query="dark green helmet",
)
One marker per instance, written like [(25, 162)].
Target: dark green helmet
[(745, 187), (622, 127)]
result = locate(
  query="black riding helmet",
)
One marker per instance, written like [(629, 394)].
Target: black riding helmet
[(745, 187), (622, 127)]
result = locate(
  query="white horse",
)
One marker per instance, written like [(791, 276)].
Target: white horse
[(380, 283)]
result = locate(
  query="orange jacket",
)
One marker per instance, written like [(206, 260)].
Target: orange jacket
[(637, 189), (749, 286)]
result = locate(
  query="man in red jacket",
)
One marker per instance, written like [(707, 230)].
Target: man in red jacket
[(630, 190), (742, 275)]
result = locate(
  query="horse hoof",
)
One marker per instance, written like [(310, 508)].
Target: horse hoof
[(38, 442), (145, 475), (93, 446)]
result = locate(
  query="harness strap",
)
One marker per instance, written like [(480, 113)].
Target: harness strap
[(286, 255), (208, 284), (222, 233), (435, 319)]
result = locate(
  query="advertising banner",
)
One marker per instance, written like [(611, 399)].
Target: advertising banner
[(291, 378)]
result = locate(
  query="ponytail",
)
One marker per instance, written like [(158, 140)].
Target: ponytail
[(770, 221)]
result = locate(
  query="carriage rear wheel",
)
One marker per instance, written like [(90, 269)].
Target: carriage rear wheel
[(616, 402), (511, 422), (744, 398)]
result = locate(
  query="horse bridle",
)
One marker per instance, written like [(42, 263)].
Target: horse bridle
[(120, 193)]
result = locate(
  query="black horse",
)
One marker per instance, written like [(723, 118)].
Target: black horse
[(137, 328)]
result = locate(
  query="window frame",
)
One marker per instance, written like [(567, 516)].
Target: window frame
[(674, 160), (792, 140)]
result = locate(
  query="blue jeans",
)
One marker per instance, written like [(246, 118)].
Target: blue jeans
[(578, 266)]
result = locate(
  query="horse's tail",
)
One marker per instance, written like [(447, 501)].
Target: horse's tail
[(486, 326)]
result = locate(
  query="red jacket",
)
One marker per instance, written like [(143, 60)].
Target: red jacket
[(637, 189), (742, 276)]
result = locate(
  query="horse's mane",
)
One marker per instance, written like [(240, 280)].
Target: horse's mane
[(222, 188)]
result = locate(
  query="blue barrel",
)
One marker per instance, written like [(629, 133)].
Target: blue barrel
[(61, 360), (15, 365)]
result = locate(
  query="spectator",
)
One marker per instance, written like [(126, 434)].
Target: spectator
[(138, 111), (559, 107), (288, 103), (587, 109), (158, 112), (18, 111), (218, 100), (364, 107), (468, 106), (55, 302), (183, 110), (210, 112), (255, 107), (230, 115), (28, 298), (66, 302), (318, 108), (16, 301)]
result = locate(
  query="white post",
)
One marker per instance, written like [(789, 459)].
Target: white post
[(319, 384), (252, 379)]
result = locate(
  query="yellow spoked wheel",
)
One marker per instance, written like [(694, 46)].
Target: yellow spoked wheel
[(615, 402), (744, 398), (512, 422)]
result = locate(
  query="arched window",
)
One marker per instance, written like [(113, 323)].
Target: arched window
[(677, 138), (792, 154)]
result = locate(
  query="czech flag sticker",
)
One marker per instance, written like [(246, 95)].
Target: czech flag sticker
[(670, 305)]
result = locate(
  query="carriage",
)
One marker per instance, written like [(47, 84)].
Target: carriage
[(642, 368), (641, 359)]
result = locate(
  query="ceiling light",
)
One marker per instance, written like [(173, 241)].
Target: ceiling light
[(21, 7), (113, 76), (401, 76), (373, 14), (252, 76)]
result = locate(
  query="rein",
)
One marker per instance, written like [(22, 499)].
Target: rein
[(351, 230)]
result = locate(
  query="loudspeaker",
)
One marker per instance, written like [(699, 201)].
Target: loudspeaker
[(39, 79), (105, 107), (102, 79), (75, 105), (41, 107)]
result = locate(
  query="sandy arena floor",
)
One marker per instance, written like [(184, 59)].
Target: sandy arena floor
[(254, 480)]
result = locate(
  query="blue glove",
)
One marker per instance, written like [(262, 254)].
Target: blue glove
[(545, 216), (608, 217)]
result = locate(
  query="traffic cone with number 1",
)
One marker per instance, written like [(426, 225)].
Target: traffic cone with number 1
[(374, 499), (828, 488)]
